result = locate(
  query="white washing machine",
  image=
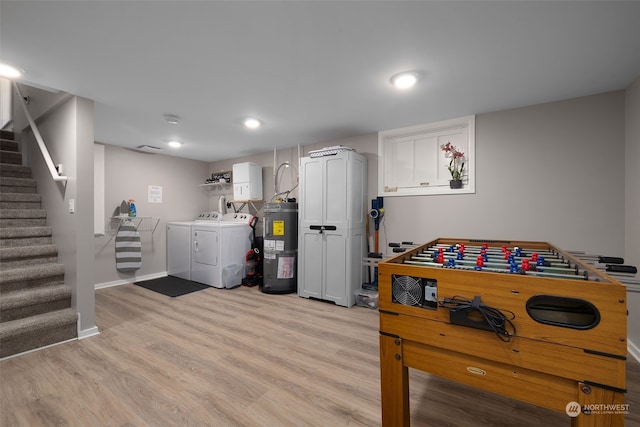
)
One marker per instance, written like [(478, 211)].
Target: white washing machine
[(179, 244), (179, 249), (219, 248)]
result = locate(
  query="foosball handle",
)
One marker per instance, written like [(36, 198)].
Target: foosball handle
[(621, 269), (610, 260)]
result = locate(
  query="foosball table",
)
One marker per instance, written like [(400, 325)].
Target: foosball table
[(518, 318)]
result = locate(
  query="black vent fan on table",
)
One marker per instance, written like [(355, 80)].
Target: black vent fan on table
[(414, 291)]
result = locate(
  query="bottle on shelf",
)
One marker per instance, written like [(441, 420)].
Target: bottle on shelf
[(132, 208)]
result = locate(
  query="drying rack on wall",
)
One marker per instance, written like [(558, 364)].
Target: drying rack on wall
[(141, 223)]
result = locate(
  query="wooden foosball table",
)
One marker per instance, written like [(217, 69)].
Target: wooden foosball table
[(521, 319)]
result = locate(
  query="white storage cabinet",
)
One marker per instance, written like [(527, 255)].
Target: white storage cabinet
[(332, 239)]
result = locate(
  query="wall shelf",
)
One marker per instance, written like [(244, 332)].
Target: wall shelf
[(213, 186), (222, 182)]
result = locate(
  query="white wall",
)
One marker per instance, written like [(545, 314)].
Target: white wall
[(6, 113), (68, 133), (128, 175), (632, 203)]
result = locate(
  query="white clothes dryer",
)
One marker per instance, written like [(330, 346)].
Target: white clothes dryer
[(219, 245)]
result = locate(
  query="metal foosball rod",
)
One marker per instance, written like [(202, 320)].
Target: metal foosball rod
[(500, 270), (546, 262), (608, 264), (504, 264), (401, 247), (493, 249), (613, 266), (597, 258), (552, 257), (518, 252)]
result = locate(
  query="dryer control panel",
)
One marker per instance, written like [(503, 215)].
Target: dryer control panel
[(238, 218)]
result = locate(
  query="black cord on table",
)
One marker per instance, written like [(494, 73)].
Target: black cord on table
[(496, 319)]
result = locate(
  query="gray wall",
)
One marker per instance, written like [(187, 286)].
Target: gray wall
[(128, 175), (364, 144), (68, 133), (552, 172), (546, 172), (632, 202)]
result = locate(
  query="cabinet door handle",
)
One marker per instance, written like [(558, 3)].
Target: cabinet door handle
[(321, 228)]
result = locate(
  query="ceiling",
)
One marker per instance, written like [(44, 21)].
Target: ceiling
[(311, 71)]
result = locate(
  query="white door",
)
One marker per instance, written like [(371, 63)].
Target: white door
[(204, 256), (205, 247), (311, 265), (335, 261)]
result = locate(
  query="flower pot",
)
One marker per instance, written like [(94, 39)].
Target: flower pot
[(455, 183)]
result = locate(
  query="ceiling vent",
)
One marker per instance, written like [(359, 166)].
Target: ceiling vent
[(148, 149)]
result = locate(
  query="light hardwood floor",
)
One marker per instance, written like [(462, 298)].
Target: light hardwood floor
[(237, 358)]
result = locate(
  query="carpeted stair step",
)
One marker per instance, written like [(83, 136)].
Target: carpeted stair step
[(35, 304), (24, 256), (33, 332), (15, 171), (20, 201), (10, 157), (23, 217), (25, 236), (8, 145), (32, 302), (48, 274), (17, 185)]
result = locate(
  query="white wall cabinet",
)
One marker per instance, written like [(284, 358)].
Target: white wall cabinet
[(332, 226), (411, 161)]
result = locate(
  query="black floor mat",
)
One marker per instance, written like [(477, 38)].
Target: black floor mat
[(172, 286)]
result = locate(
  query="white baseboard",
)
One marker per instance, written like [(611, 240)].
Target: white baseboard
[(86, 333), (633, 351), (130, 280)]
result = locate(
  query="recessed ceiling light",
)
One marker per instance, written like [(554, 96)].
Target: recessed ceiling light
[(172, 119), (9, 72), (252, 123), (175, 144), (404, 80)]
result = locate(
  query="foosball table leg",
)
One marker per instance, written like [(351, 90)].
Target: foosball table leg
[(599, 407), (394, 382)]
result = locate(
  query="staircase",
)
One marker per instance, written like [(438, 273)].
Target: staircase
[(35, 304)]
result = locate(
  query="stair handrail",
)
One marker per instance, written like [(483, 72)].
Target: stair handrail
[(43, 148)]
